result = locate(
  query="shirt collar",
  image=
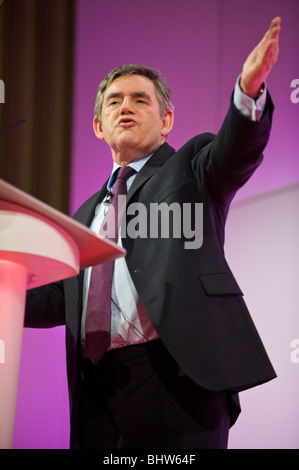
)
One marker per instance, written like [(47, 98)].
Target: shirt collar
[(136, 164)]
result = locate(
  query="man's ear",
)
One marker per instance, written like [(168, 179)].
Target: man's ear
[(167, 123), (98, 129)]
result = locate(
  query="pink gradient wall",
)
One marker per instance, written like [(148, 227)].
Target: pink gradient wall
[(199, 46)]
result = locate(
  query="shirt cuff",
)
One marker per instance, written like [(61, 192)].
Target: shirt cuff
[(248, 106)]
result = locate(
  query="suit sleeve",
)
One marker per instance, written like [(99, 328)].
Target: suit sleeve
[(45, 306), (231, 158)]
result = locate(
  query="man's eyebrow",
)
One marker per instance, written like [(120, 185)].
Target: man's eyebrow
[(141, 94), (114, 95), (135, 94)]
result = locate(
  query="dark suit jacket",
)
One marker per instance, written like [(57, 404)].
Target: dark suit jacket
[(190, 295)]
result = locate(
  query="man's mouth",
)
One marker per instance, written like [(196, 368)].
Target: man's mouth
[(126, 122)]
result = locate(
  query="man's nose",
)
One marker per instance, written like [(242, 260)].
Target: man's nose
[(127, 106)]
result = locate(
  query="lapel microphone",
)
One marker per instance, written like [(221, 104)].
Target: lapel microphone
[(108, 198)]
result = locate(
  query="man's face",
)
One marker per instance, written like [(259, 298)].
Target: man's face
[(131, 122)]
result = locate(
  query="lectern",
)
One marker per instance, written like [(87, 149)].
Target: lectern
[(38, 245)]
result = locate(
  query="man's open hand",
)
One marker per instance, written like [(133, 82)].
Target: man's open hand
[(261, 60)]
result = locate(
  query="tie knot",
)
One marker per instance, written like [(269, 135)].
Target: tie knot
[(125, 172)]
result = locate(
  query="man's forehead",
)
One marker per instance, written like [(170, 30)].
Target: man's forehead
[(132, 83)]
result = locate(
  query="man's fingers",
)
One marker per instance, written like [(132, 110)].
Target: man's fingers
[(275, 22), (268, 46), (272, 32), (274, 27)]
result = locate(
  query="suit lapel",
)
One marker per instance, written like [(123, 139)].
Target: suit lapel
[(149, 169)]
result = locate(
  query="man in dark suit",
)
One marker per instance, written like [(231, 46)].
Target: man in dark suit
[(182, 343)]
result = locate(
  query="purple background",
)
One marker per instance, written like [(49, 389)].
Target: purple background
[(200, 47)]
